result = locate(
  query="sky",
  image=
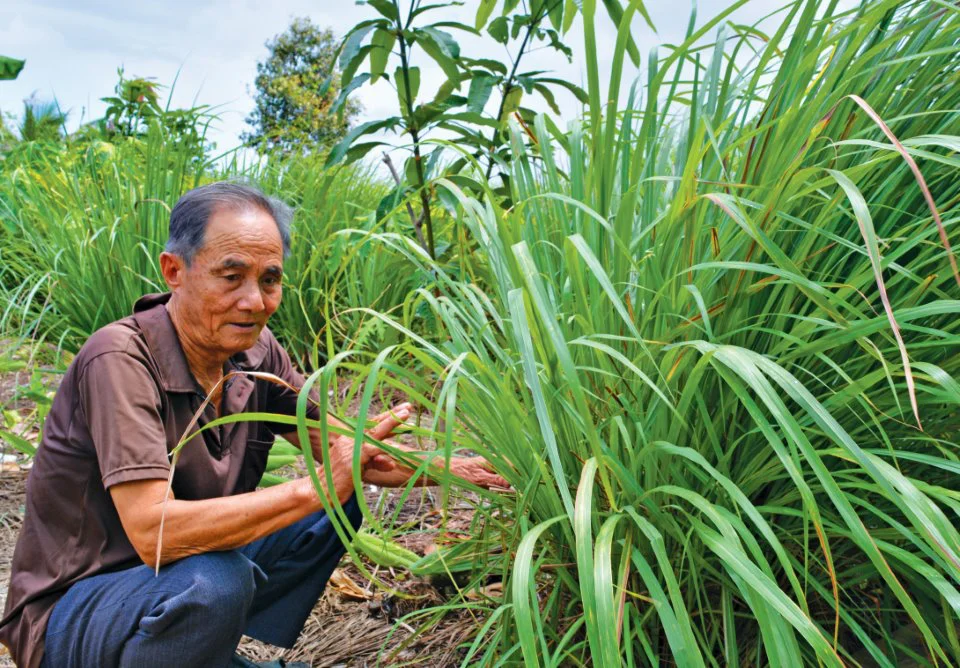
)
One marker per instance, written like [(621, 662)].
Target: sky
[(210, 48)]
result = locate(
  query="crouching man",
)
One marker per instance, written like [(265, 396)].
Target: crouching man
[(234, 559)]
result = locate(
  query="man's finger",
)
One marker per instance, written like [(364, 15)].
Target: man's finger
[(391, 422), (406, 405), (368, 452), (493, 480), (382, 462)]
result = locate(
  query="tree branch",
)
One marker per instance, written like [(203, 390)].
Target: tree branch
[(416, 220)]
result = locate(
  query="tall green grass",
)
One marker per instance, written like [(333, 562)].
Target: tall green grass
[(82, 228), (334, 269), (715, 350)]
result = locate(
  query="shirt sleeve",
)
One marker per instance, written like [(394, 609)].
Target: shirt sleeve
[(120, 401), (280, 399)]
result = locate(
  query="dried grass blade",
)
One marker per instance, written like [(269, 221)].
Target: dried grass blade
[(918, 175)]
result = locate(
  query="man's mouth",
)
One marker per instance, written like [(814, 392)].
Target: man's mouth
[(244, 325)]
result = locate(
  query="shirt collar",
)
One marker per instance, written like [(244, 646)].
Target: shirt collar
[(152, 317)]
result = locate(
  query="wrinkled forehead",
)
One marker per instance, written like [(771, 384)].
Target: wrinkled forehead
[(241, 236)]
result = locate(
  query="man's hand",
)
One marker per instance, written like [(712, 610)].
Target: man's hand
[(478, 471), (340, 460), (379, 468), (370, 455)]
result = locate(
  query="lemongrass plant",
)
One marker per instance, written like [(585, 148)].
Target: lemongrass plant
[(715, 351)]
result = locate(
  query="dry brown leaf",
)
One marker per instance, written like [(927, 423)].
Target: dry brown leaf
[(494, 590), (344, 585)]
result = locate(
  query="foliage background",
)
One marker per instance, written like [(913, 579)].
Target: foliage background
[(295, 89)]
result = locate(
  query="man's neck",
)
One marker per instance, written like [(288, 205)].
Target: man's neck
[(206, 367)]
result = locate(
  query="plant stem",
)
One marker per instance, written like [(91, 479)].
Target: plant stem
[(427, 221), (417, 221), (508, 84)]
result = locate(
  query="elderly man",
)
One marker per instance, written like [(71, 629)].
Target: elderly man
[(234, 559)]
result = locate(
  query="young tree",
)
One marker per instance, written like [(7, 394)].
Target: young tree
[(296, 86), (136, 105)]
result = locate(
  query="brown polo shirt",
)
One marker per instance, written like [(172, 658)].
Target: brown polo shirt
[(123, 405)]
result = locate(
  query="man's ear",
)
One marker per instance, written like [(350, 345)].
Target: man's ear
[(172, 267)]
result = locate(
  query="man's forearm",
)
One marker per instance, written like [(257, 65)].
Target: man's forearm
[(224, 523)]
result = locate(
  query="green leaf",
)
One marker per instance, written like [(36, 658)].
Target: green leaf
[(8, 364), (420, 9), (480, 88), (524, 590), (547, 95), (275, 462), (526, 81), (382, 43), (339, 151), (499, 29), (19, 443), (347, 73), (615, 10), (386, 8), (556, 42), (411, 80), (324, 86), (448, 45), (358, 151), (355, 83), (354, 40), (556, 14), (486, 63), (569, 13), (578, 92), (427, 113), (10, 67), (456, 25), (391, 200), (472, 117), (441, 48), (446, 90), (511, 102), (483, 12)]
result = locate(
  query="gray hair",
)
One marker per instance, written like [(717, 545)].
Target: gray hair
[(190, 215)]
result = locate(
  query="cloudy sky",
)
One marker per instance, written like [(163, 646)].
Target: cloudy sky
[(74, 47)]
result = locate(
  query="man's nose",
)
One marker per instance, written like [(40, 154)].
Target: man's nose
[(252, 299)]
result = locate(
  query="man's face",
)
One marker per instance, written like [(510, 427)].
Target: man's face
[(233, 283)]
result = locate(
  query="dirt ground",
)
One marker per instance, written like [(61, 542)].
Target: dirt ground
[(354, 624)]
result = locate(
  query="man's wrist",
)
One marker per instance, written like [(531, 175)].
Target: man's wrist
[(343, 488), (306, 494)]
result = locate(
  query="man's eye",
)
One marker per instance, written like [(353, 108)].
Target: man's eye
[(271, 280), (232, 277)]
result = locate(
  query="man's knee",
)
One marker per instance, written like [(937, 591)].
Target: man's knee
[(225, 580), (215, 586)]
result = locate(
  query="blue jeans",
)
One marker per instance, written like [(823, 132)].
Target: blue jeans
[(195, 611)]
